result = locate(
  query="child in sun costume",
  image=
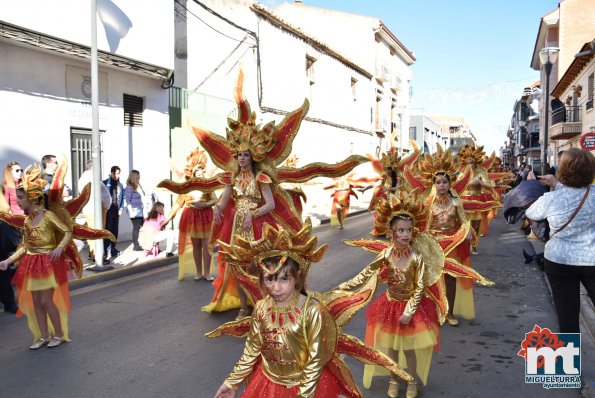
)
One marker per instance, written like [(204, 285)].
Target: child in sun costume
[(404, 321), (479, 196), (389, 167), (47, 254), (243, 207), (293, 350), (436, 178), (195, 223)]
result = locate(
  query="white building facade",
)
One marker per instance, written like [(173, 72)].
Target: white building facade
[(45, 85)]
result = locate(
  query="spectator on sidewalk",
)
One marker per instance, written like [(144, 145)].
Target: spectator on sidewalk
[(112, 217), (570, 252), (12, 179), (50, 165), (89, 209), (10, 237), (135, 199), (153, 230)]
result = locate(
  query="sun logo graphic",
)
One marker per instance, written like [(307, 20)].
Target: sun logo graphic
[(552, 359)]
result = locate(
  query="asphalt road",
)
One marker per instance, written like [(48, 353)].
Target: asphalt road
[(142, 336)]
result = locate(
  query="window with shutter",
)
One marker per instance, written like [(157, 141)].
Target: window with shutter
[(133, 110)]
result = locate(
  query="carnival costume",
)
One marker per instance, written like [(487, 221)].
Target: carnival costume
[(269, 146), (195, 223), (35, 268), (501, 179), (479, 196), (293, 351), (447, 221), (342, 192), (416, 290)]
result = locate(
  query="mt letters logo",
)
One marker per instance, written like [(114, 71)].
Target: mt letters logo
[(552, 359)]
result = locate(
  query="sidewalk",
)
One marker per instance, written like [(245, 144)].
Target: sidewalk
[(587, 324)]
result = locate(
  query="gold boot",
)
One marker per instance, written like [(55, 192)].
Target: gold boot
[(411, 389), (393, 389)]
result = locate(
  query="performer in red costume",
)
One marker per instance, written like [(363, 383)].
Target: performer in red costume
[(47, 254), (294, 337)]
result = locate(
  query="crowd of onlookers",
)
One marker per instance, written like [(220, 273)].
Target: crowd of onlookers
[(139, 205)]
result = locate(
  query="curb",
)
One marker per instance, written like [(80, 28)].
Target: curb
[(150, 265)]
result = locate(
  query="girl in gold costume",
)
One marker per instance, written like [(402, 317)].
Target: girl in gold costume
[(42, 276), (46, 254), (294, 336), (404, 322), (195, 223)]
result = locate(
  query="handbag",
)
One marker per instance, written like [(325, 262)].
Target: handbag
[(580, 205), (135, 212)]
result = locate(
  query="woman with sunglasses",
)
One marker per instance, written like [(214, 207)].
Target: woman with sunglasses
[(12, 179)]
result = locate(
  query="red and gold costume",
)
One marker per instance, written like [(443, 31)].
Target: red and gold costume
[(479, 197), (501, 179), (390, 164), (342, 193), (414, 289), (36, 270), (447, 222), (295, 190), (195, 223), (269, 146), (294, 351)]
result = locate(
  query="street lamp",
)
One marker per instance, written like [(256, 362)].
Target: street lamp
[(548, 57)]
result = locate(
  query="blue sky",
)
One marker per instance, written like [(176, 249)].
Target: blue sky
[(472, 56)]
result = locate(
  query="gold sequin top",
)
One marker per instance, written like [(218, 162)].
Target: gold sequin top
[(478, 182), (405, 283), (247, 196), (292, 346), (447, 214), (43, 238)]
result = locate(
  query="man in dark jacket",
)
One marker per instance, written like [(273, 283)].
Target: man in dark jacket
[(112, 217)]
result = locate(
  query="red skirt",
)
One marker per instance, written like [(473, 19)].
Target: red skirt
[(39, 267), (196, 222), (259, 386), (386, 312)]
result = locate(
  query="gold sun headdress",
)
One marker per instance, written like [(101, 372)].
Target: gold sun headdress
[(390, 160), (196, 160), (440, 162), (244, 134), (401, 203), (470, 151), (299, 246), (32, 182)]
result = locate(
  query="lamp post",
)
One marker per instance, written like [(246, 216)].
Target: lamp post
[(548, 57)]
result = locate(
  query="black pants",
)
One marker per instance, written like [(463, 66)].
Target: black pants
[(565, 282), (6, 292), (112, 223), (136, 224)]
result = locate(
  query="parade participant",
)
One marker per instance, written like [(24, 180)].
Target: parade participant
[(436, 176), (12, 179), (389, 167), (500, 179), (251, 154), (9, 240), (342, 191), (46, 254), (404, 322), (294, 336), (478, 198), (195, 223)]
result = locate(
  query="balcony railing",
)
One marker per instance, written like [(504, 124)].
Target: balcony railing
[(566, 123), (569, 114)]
